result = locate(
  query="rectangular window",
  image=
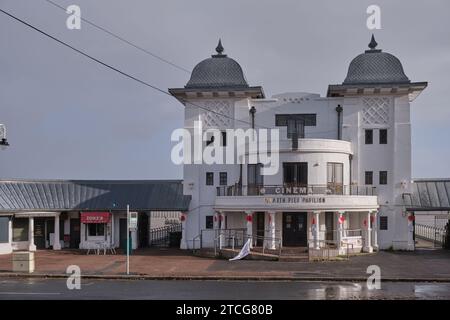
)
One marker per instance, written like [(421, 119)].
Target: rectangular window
[(368, 136), (209, 222), (295, 173), (295, 123), (223, 179), (224, 139), (254, 176), (20, 229), (96, 229), (369, 178), (383, 223), (383, 177), (4, 229), (383, 136), (335, 177), (210, 178)]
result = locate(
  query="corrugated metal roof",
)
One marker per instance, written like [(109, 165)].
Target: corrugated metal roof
[(428, 195), (45, 195)]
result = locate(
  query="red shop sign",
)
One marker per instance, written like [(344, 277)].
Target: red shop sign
[(95, 217)]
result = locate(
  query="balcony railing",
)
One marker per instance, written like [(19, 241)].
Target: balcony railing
[(290, 189)]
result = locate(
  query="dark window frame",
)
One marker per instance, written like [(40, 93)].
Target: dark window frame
[(295, 123), (383, 136), (254, 171), (209, 178), (296, 171), (209, 222), (383, 177), (96, 229), (384, 223), (24, 233), (223, 178), (368, 181), (368, 136)]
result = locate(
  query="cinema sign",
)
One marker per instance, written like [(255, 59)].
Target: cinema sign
[(275, 190)]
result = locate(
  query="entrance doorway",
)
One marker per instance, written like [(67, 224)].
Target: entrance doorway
[(75, 233), (329, 226), (260, 226), (295, 229), (39, 232), (143, 229), (123, 233)]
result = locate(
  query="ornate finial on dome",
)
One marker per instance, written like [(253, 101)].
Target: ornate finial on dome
[(373, 44), (219, 48)]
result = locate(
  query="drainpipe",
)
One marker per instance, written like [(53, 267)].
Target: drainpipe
[(252, 115), (339, 111), (350, 157)]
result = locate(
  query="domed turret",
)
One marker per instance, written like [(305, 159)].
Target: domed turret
[(219, 71), (375, 67)]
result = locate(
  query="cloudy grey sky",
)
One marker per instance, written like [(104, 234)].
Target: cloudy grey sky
[(68, 117)]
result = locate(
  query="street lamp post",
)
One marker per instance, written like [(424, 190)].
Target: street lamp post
[(3, 142)]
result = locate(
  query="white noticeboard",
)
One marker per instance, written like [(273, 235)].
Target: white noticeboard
[(133, 220)]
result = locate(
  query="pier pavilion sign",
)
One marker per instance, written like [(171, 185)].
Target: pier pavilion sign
[(289, 200)]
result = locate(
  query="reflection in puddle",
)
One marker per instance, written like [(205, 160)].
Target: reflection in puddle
[(339, 291)]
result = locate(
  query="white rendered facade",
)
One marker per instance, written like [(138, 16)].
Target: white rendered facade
[(321, 192)]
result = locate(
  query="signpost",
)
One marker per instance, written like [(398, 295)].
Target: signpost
[(128, 239), (132, 220)]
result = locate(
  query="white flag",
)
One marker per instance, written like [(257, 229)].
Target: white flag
[(244, 251)]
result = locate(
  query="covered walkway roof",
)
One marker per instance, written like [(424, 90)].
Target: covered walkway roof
[(67, 195), (428, 195)]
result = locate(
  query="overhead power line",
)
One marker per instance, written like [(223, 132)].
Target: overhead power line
[(123, 39), (117, 70)]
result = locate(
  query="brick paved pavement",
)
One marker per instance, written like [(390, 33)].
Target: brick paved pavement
[(421, 264)]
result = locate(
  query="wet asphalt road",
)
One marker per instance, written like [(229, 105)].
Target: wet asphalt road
[(45, 289)]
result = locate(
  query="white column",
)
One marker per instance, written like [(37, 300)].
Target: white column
[(31, 245), (316, 231), (375, 230), (272, 233), (222, 230), (56, 242), (249, 218), (411, 244), (340, 227), (368, 244)]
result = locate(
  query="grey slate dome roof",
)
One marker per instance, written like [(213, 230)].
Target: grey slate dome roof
[(374, 66), (219, 71)]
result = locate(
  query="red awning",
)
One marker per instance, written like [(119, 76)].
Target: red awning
[(95, 217)]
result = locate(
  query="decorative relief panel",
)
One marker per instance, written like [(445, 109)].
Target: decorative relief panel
[(220, 116), (376, 110)]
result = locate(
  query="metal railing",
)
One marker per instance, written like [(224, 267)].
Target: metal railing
[(327, 249), (430, 233), (222, 241), (295, 189), (161, 236)]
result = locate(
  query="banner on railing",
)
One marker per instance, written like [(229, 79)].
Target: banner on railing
[(244, 251)]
